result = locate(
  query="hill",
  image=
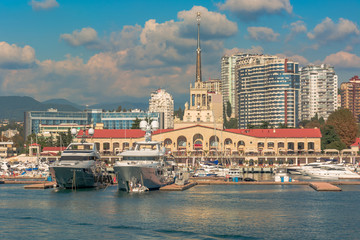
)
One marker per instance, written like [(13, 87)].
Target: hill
[(61, 101), (13, 107), (124, 105)]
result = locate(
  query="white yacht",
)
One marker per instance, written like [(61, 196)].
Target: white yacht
[(332, 171), (145, 166)]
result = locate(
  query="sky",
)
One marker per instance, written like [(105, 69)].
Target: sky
[(93, 51)]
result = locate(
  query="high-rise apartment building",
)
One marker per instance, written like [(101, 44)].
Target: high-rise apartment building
[(268, 91), (228, 79), (350, 96), (161, 101), (318, 91)]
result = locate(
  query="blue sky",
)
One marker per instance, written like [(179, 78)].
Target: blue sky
[(110, 51)]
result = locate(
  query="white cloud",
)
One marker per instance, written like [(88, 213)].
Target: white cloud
[(131, 63), (44, 4), (297, 58), (251, 10), (263, 34), (14, 57), (327, 30), (295, 29), (212, 24), (85, 37), (252, 50), (343, 60), (127, 38)]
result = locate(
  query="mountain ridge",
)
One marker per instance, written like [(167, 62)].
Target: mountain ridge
[(13, 107)]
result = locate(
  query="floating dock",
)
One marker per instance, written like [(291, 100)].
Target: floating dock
[(43, 185), (324, 186), (175, 187)]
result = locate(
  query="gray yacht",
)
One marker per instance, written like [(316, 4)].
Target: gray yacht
[(80, 167)]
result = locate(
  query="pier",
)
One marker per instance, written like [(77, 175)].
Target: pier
[(324, 186), (175, 187), (43, 185)]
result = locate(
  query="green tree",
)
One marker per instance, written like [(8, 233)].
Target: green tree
[(179, 113), (228, 109), (64, 139), (303, 123), (232, 123), (330, 140), (344, 124), (119, 109), (264, 125), (136, 123), (283, 125)]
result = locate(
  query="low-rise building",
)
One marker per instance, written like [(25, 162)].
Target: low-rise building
[(7, 149), (204, 140)]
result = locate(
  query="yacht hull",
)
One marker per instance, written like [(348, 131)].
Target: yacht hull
[(129, 177), (73, 177)]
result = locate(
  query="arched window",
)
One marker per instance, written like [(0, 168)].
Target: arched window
[(167, 142), (241, 143), (181, 143), (198, 141), (198, 136), (227, 141), (198, 145), (214, 141)]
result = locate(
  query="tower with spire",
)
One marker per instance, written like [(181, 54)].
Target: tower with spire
[(198, 51), (205, 107)]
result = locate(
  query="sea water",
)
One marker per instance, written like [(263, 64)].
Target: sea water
[(202, 212)]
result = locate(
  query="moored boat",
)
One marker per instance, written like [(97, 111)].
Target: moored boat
[(145, 166), (80, 167)]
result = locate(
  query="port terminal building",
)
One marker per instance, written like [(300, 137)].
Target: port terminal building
[(197, 142)]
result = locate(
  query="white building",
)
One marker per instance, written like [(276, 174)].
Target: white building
[(163, 102), (318, 91), (9, 133), (229, 78)]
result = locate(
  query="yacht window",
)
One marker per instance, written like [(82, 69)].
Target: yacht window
[(77, 158), (137, 158)]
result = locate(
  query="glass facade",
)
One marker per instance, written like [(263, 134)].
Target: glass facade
[(268, 91), (111, 120)]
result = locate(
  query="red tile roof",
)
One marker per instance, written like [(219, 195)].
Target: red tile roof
[(356, 143), (115, 133), (261, 133), (53, 149), (279, 133)]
